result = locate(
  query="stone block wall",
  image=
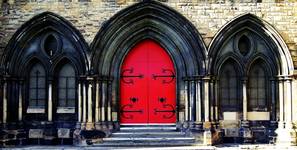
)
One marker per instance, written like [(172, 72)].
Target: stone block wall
[(208, 16)]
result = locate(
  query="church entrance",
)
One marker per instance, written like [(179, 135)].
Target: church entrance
[(147, 86)]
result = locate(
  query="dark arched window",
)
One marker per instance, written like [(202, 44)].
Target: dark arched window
[(66, 86), (37, 86), (228, 88), (257, 91)]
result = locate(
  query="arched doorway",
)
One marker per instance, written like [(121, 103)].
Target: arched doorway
[(147, 86), (176, 35)]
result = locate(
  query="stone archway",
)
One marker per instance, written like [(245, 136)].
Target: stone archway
[(155, 21)]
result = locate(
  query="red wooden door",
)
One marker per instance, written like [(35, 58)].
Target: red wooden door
[(148, 90)]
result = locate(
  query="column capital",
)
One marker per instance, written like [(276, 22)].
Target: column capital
[(50, 79), (21, 81), (90, 78), (206, 78), (193, 78), (284, 78), (244, 78), (106, 78)]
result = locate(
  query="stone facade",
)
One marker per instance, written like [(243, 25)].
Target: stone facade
[(207, 16), (211, 19)]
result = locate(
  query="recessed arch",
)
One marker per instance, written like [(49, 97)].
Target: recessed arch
[(23, 45), (279, 52), (229, 57), (148, 20), (266, 61), (229, 85), (61, 61)]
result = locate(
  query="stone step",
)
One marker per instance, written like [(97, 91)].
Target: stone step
[(148, 134), (146, 144), (146, 141), (147, 128)]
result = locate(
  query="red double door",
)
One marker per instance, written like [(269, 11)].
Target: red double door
[(148, 86)]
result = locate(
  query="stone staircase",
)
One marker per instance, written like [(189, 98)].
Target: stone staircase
[(152, 135)]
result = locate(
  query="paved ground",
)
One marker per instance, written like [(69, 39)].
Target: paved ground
[(219, 147)]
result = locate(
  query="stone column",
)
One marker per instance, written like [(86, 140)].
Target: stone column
[(207, 135), (84, 116), (79, 113), (97, 103), (90, 124), (50, 101), (211, 100), (192, 101), (273, 100), (109, 101), (104, 99), (90, 103), (5, 101), (186, 101), (206, 99), (198, 101), (281, 102), (20, 97), (216, 97), (286, 135), (288, 102)]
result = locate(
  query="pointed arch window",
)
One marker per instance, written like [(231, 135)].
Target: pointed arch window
[(37, 86), (257, 91), (66, 86), (228, 88)]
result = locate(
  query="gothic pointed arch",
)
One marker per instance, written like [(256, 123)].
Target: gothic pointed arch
[(251, 26), (48, 39), (47, 36), (148, 20)]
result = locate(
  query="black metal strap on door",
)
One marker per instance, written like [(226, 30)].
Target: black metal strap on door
[(126, 111), (130, 77), (171, 110), (171, 75)]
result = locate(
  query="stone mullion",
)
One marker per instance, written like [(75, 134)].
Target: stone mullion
[(50, 101), (244, 98)]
